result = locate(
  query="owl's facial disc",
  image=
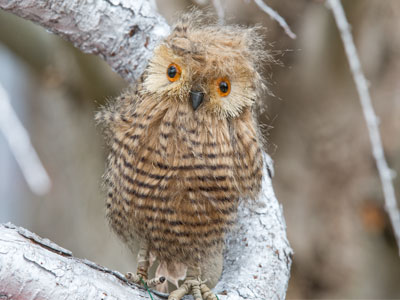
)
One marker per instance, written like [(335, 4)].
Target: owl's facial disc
[(196, 98), (212, 81)]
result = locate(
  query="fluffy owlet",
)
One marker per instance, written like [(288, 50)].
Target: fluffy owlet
[(184, 148)]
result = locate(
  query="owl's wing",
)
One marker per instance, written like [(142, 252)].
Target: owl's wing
[(118, 113)]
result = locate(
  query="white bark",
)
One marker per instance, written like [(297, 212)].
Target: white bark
[(35, 268), (122, 32), (258, 257)]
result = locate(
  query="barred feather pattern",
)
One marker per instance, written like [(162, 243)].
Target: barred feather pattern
[(174, 179), (175, 174)]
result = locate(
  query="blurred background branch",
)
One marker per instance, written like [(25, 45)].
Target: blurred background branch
[(219, 10), (274, 15), (385, 173), (21, 147)]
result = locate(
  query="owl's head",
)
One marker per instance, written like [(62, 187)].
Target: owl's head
[(212, 68)]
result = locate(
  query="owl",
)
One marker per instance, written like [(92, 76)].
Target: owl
[(184, 148)]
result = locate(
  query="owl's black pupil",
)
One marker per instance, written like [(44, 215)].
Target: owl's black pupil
[(223, 86), (171, 72)]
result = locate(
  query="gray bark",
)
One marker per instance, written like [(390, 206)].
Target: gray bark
[(124, 33)]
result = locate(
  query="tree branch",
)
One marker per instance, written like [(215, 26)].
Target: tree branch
[(274, 15), (219, 9), (258, 256), (385, 174), (21, 147), (36, 268), (122, 32)]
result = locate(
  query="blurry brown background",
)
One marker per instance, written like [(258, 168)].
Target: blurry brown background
[(325, 178)]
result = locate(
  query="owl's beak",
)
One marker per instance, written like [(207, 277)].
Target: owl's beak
[(196, 98)]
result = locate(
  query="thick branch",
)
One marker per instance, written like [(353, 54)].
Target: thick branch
[(257, 260), (124, 33), (35, 268), (258, 256)]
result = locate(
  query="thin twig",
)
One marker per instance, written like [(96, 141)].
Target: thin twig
[(372, 122), (200, 2), (220, 11), (153, 4), (21, 147), (274, 15)]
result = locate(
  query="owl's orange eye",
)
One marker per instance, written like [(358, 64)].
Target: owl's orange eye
[(173, 72), (224, 86)]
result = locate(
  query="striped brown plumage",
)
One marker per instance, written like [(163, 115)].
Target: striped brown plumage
[(175, 174)]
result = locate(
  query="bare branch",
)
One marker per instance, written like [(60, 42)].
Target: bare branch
[(274, 15), (220, 11), (153, 4), (257, 260), (21, 147), (258, 256), (370, 117), (200, 2), (31, 266), (122, 32)]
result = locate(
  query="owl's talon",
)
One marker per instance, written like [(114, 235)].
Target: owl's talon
[(155, 281), (133, 278), (195, 287), (207, 293), (139, 279)]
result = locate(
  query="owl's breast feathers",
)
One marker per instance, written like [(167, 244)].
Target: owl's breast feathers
[(174, 178)]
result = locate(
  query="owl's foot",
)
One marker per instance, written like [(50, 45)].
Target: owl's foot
[(142, 269), (142, 280), (195, 287)]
